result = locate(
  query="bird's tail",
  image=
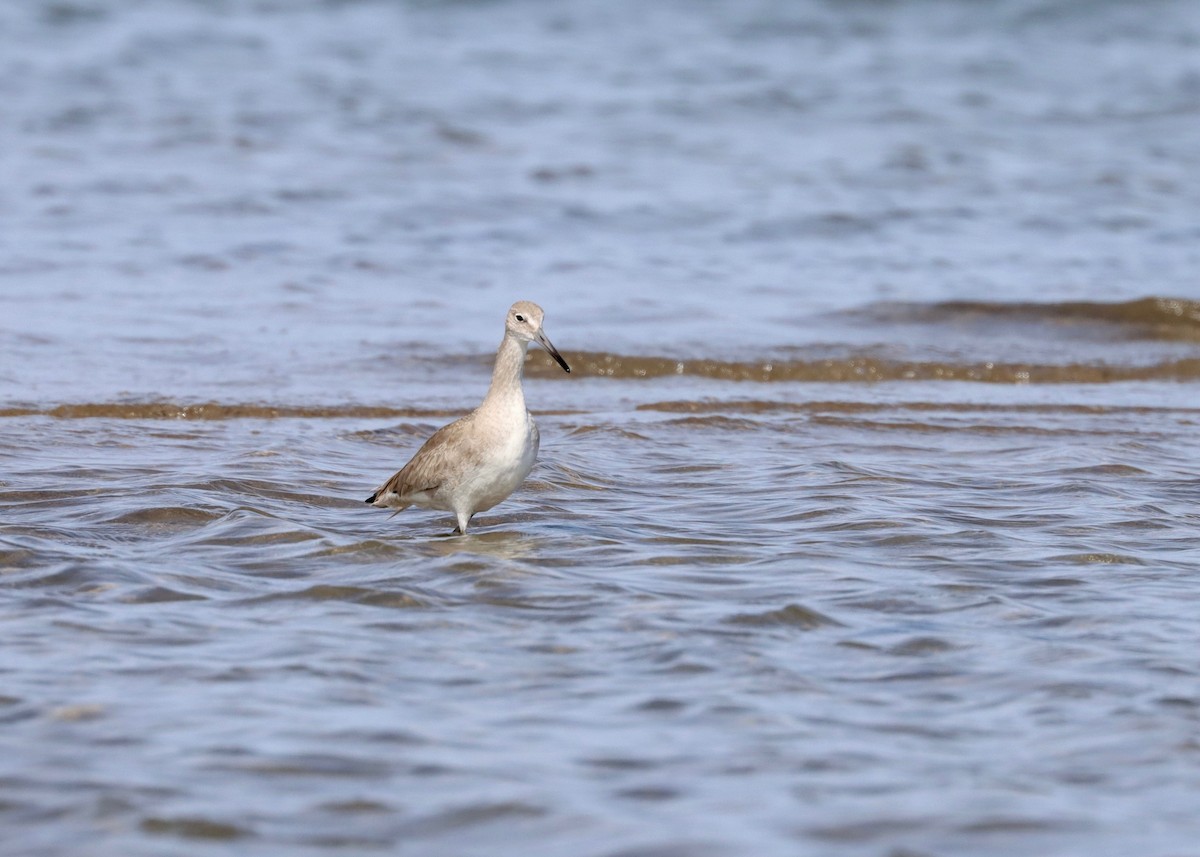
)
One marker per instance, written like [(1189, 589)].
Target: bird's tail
[(399, 508)]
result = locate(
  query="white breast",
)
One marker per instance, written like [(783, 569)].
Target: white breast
[(505, 467)]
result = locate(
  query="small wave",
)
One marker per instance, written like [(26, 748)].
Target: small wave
[(161, 595), (871, 369), (793, 615), (1155, 318), (1097, 559), (234, 411), (166, 516), (719, 422), (827, 406), (219, 411), (354, 594), (195, 828)]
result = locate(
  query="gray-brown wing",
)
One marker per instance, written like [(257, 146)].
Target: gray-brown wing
[(435, 462)]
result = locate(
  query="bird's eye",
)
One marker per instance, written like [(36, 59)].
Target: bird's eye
[(520, 317)]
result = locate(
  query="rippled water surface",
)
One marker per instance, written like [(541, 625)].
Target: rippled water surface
[(866, 523)]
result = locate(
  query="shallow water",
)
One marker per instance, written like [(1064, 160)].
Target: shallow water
[(865, 524)]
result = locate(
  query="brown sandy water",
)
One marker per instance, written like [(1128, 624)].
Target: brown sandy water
[(866, 524)]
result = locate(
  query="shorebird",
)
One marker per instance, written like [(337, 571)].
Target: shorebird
[(475, 462)]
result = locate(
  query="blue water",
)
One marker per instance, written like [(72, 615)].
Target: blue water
[(783, 581)]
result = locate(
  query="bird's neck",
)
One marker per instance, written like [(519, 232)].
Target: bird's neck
[(506, 376)]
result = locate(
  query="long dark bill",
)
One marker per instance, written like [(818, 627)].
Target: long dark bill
[(552, 351)]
